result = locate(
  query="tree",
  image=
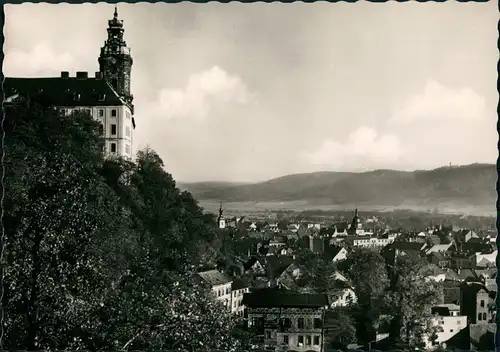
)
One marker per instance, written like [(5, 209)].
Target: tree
[(411, 297), (180, 315), (100, 251), (55, 211), (367, 272), (339, 329)]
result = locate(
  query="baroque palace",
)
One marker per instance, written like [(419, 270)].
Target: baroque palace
[(106, 96)]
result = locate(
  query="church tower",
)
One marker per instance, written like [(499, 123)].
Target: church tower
[(115, 62)]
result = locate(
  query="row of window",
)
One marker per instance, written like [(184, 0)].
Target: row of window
[(113, 148), (114, 130), (316, 323), (221, 292), (308, 340), (240, 292), (482, 316), (100, 112)]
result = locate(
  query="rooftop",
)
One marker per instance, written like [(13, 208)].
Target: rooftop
[(274, 297), (215, 277), (66, 91)]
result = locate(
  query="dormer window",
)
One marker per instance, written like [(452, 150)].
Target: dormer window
[(101, 97), (76, 96)]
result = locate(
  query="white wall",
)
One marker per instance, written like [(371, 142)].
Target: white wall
[(450, 327), (123, 139), (223, 294)]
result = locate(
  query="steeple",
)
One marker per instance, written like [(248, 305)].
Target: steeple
[(115, 61)]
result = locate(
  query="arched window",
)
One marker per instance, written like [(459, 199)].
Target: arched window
[(484, 316), (479, 316)]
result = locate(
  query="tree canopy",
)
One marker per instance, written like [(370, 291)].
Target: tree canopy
[(100, 252)]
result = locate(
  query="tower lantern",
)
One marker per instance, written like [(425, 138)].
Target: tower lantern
[(115, 61)]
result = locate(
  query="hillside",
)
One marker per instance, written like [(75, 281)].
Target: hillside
[(472, 184)]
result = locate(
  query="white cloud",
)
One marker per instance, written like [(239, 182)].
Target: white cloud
[(439, 103), (202, 91), (41, 59), (362, 146)]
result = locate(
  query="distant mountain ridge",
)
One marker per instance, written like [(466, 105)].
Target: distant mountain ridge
[(471, 184)]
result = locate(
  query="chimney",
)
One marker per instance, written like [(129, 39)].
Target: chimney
[(81, 75), (98, 75), (64, 74)]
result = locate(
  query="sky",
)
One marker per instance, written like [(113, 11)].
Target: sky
[(248, 92)]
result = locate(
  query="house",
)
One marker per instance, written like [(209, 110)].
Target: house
[(477, 303), (475, 337), (449, 322), (438, 258), (106, 97), (434, 273), (290, 320), (485, 260), (238, 288), (462, 261), (345, 295), (220, 284), (441, 248), (316, 244), (334, 253)]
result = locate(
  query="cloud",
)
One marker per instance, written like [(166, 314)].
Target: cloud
[(362, 146), (438, 103), (41, 59), (203, 91)]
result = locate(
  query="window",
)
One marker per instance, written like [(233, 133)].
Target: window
[(127, 131), (317, 323), (113, 130), (127, 149), (285, 339), (100, 113), (300, 323), (234, 294), (484, 316), (113, 112), (102, 97), (300, 340), (76, 96), (227, 290), (101, 129), (479, 316), (316, 341), (451, 330), (268, 334), (482, 303), (113, 147), (308, 340), (286, 323)]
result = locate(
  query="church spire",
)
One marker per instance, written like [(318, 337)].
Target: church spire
[(115, 16)]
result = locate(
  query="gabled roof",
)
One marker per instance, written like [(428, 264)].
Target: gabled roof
[(214, 277), (275, 297), (407, 246), (239, 284), (61, 92)]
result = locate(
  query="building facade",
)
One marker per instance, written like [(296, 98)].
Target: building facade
[(280, 318), (106, 96), (220, 284)]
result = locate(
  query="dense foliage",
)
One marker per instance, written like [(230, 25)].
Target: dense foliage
[(100, 253)]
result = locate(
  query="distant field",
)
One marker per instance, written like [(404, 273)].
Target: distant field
[(298, 206)]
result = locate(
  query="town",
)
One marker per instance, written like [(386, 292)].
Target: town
[(310, 272), (105, 251)]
